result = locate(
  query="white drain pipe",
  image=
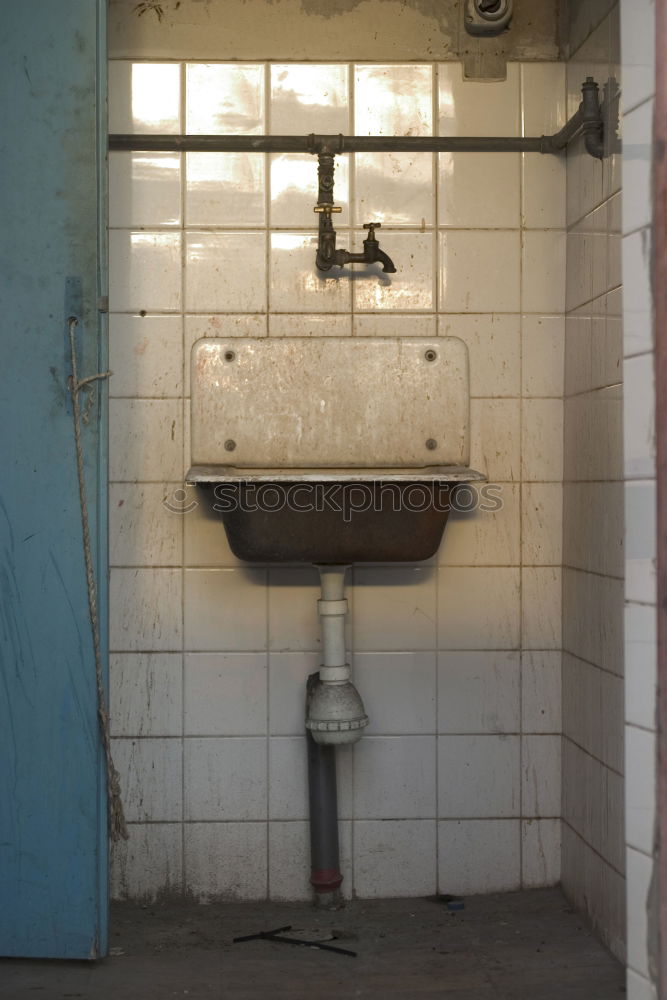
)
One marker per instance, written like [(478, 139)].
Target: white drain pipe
[(336, 712)]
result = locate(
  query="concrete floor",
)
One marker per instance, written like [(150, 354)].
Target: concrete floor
[(515, 946)]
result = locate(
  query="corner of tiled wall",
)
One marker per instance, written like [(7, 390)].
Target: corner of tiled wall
[(457, 783)]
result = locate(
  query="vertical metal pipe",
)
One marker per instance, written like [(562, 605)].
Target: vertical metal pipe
[(325, 876)]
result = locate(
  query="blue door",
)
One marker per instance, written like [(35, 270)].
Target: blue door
[(53, 853)]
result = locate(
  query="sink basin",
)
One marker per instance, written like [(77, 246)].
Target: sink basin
[(331, 516)]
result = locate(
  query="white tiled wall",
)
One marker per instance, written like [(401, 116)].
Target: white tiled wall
[(638, 31), (457, 783), (593, 569)]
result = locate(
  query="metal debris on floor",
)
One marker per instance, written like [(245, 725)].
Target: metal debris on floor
[(314, 940)]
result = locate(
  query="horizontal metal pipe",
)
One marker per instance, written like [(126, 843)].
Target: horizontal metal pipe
[(334, 143)]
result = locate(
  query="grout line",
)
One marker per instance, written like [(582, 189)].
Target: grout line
[(184, 450)]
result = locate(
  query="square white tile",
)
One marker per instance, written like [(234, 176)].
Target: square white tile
[(541, 777), (145, 525), (542, 191), (542, 440), (541, 696), (541, 600), (494, 350), (287, 691), (225, 694), (542, 355), (149, 863), (543, 97), (394, 858), (543, 271), (478, 856), (478, 776), (479, 692), (224, 98), (293, 620), (288, 779), (394, 189), (478, 608), (226, 861), (309, 97), (639, 423), (150, 778), (395, 777), (145, 610), (146, 356), (638, 336), (640, 788), (464, 255), (388, 325), (294, 190), (466, 200), (225, 189), (394, 609), (393, 99), (411, 287), (225, 272), (144, 97), (289, 875), (224, 326), (225, 779), (495, 438), (469, 107), (486, 535), (541, 524), (310, 325), (144, 271), (205, 538), (144, 189), (641, 657), (641, 545), (225, 609), (146, 440), (297, 286), (145, 694), (399, 691), (540, 853)]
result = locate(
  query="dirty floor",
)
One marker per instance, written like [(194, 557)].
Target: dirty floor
[(514, 946)]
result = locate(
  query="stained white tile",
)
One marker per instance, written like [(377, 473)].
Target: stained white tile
[(225, 189), (394, 189), (541, 692), (540, 852), (641, 665), (293, 619), (144, 97), (542, 440), (225, 272), (394, 777), (541, 775), (542, 355), (639, 417), (464, 256), (411, 287), (470, 107), (146, 356), (543, 191), (287, 691), (541, 588), (641, 551), (144, 271), (394, 609), (593, 618), (150, 778), (146, 440), (226, 861), (294, 191), (145, 526), (144, 189), (288, 779), (543, 97), (393, 100), (205, 538), (388, 325), (296, 285), (578, 370), (541, 524), (543, 271), (399, 690), (486, 535), (309, 97), (478, 856), (637, 210), (478, 776), (640, 788), (466, 200), (224, 98), (394, 858), (225, 609), (495, 438), (639, 872), (478, 608), (310, 325), (479, 692), (145, 610), (225, 779), (637, 294), (149, 863), (289, 845), (637, 28), (494, 350), (225, 694), (145, 694)]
